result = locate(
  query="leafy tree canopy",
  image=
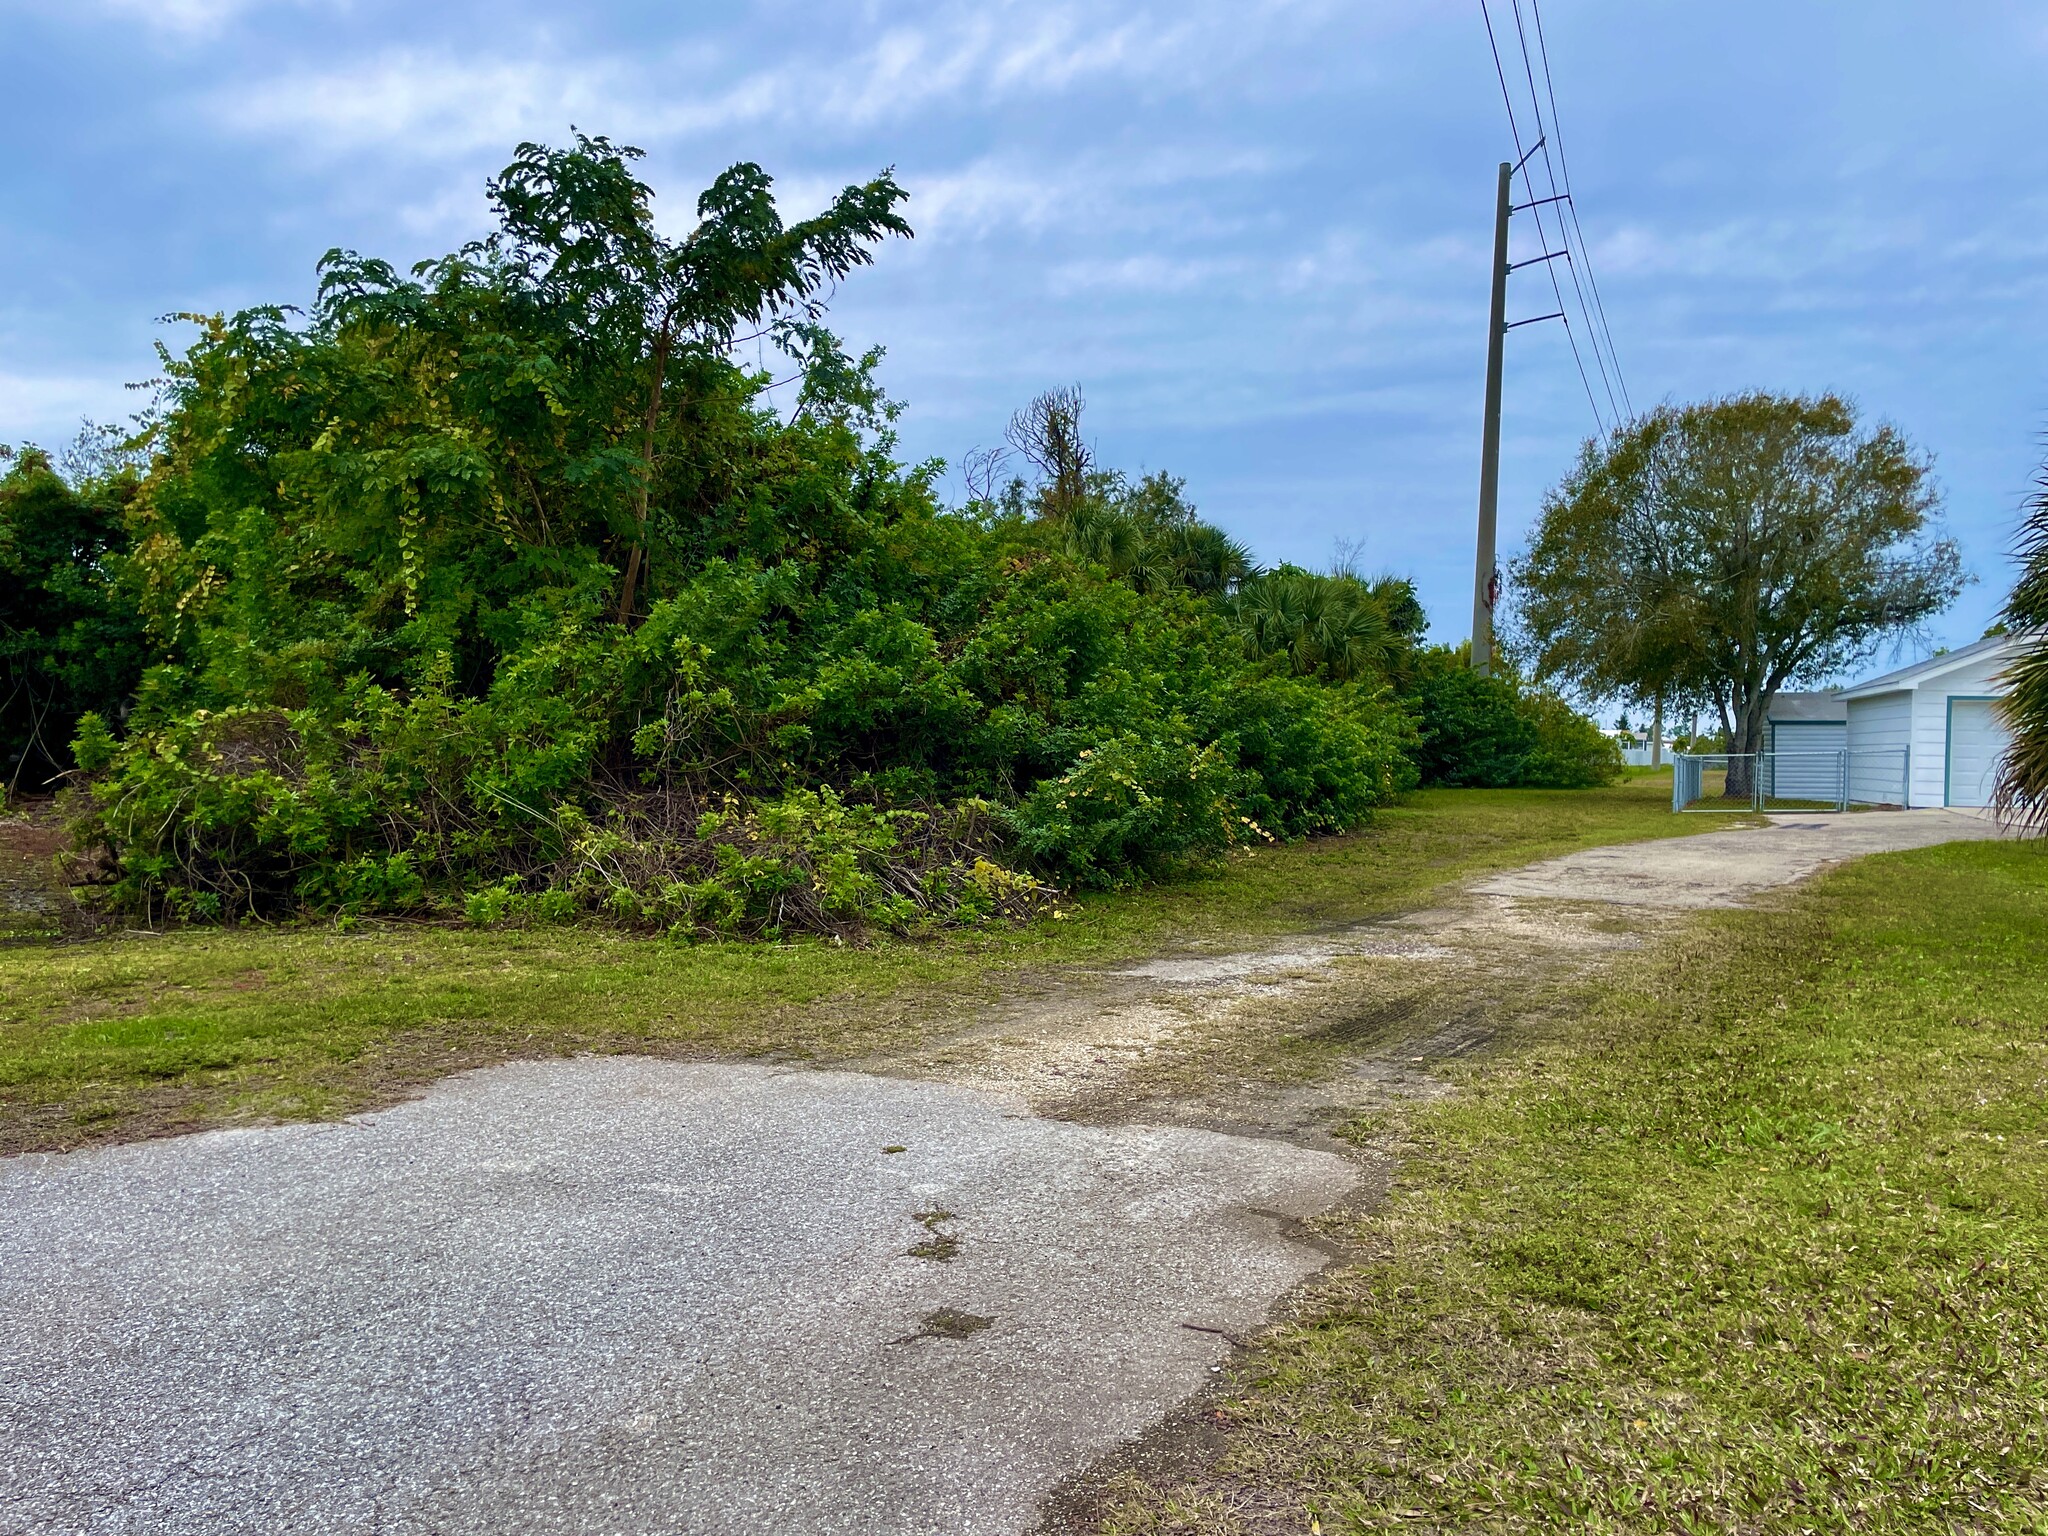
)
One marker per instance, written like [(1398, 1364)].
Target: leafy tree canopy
[(1725, 550), (70, 638)]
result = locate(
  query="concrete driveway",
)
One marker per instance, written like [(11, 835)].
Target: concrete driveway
[(626, 1295)]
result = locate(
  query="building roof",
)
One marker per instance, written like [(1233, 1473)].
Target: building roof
[(1906, 678), (1827, 707)]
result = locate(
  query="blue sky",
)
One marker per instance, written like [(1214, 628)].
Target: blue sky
[(1256, 234)]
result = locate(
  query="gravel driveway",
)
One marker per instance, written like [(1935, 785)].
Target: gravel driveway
[(1726, 868)]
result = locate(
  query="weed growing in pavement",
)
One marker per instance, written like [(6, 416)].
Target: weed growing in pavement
[(940, 1247)]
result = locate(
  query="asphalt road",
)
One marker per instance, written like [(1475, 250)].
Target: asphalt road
[(622, 1295)]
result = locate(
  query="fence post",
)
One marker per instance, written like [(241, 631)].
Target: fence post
[(1842, 780)]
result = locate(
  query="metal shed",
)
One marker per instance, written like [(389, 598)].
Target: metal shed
[(1806, 733)]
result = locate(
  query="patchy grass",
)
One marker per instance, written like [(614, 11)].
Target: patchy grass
[(29, 899), (143, 1034), (1756, 1241)]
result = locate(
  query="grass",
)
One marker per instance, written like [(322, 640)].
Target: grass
[(1754, 1241), (133, 1036)]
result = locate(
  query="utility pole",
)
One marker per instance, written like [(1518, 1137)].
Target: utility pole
[(1486, 569), (1486, 573)]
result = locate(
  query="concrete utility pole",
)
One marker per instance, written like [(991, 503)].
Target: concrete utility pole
[(1486, 573)]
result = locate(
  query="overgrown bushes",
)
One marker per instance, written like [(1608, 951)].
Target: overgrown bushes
[(501, 590), (1496, 732), (864, 767), (71, 640)]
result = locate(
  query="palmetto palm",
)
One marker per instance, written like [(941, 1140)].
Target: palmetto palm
[(1332, 626), (1104, 536), (1195, 557), (2023, 782)]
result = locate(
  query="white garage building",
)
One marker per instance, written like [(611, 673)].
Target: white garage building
[(1935, 721)]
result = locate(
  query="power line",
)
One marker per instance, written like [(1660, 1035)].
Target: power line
[(1571, 231), (1515, 129), (1550, 174), (1501, 75), (1564, 166)]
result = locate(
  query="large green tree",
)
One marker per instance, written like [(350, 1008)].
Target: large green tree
[(1729, 549), (2023, 782), (431, 465)]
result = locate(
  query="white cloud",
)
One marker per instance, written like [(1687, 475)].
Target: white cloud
[(47, 408), (1783, 249), (444, 103), (1092, 192), (458, 211), (1145, 273), (407, 99), (977, 199)]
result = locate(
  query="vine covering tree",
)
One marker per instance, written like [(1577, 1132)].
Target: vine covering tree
[(516, 585)]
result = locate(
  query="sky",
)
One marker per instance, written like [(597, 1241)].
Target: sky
[(1255, 233)]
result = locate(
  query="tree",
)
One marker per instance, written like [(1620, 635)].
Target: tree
[(1335, 627), (426, 467), (577, 244), (1047, 432), (1146, 533), (2023, 781), (1728, 549)]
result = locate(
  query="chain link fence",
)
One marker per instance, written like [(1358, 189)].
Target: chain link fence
[(1868, 780)]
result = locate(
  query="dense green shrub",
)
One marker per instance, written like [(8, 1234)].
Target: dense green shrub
[(1494, 732), (1570, 752), (1336, 627), (70, 638), (1470, 729), (1103, 735)]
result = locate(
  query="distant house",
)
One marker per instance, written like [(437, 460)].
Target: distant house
[(1937, 719)]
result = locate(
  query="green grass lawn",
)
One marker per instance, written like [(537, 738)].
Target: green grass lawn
[(1756, 1241), (140, 1034)]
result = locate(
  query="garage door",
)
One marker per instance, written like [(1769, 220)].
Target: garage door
[(1976, 741)]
